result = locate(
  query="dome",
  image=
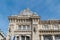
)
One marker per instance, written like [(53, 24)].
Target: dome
[(26, 12)]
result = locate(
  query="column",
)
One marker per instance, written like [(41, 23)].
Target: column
[(20, 37), (25, 37), (42, 38), (15, 38), (53, 37), (12, 37)]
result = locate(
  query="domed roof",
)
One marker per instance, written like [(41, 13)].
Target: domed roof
[(27, 12)]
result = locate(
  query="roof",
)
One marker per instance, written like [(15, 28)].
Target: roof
[(50, 22), (26, 13)]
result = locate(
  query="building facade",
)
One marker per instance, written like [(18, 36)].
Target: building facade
[(2, 36), (28, 26)]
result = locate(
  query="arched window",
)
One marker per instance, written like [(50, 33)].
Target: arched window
[(23, 37), (17, 37), (27, 38)]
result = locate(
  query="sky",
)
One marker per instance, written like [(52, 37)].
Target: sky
[(47, 9)]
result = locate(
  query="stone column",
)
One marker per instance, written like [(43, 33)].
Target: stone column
[(20, 37), (12, 37), (53, 37), (25, 37), (42, 38), (15, 38)]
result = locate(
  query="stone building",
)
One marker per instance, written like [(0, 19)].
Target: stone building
[(28, 26), (2, 36)]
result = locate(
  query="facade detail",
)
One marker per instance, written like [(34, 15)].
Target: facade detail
[(28, 26)]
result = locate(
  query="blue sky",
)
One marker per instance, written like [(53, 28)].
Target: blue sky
[(47, 9)]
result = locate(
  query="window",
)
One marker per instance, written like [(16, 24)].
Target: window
[(19, 27), (47, 37), (24, 27), (28, 27), (56, 27), (17, 37), (27, 38), (46, 27), (23, 37)]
